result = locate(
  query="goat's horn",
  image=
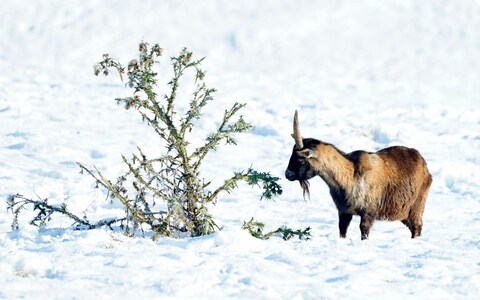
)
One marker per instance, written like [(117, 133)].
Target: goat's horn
[(296, 132)]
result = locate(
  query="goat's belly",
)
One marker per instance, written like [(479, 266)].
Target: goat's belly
[(382, 210), (393, 211), (347, 206)]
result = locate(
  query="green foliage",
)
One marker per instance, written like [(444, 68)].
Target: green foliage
[(255, 228)]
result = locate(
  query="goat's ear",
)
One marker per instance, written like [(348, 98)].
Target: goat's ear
[(306, 153)]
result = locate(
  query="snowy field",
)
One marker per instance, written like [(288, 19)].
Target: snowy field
[(363, 74)]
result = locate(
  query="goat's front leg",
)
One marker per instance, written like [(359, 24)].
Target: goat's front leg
[(343, 222), (366, 222)]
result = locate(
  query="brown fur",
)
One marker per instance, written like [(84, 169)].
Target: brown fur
[(391, 184)]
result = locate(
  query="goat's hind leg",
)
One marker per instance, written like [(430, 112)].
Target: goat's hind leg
[(415, 232), (415, 222)]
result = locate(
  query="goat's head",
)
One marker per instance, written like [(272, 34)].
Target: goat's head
[(298, 167)]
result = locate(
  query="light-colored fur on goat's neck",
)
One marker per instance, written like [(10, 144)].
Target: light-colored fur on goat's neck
[(339, 172), (332, 166)]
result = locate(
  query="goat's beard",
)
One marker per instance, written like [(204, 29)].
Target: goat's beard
[(305, 185)]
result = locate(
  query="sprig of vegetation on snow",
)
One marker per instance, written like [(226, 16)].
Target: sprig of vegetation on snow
[(255, 228)]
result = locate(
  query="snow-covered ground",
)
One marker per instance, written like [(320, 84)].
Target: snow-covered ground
[(363, 74)]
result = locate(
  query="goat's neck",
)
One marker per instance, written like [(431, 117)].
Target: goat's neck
[(334, 167)]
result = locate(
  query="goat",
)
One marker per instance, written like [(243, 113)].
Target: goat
[(390, 184)]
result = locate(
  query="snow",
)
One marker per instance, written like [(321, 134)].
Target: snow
[(363, 74)]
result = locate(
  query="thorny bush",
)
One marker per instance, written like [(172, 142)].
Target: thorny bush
[(166, 194)]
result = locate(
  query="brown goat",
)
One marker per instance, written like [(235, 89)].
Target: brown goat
[(391, 184)]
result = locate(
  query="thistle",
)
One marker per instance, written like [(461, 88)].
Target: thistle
[(164, 195)]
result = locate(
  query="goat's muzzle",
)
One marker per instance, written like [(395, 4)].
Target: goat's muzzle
[(290, 175)]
